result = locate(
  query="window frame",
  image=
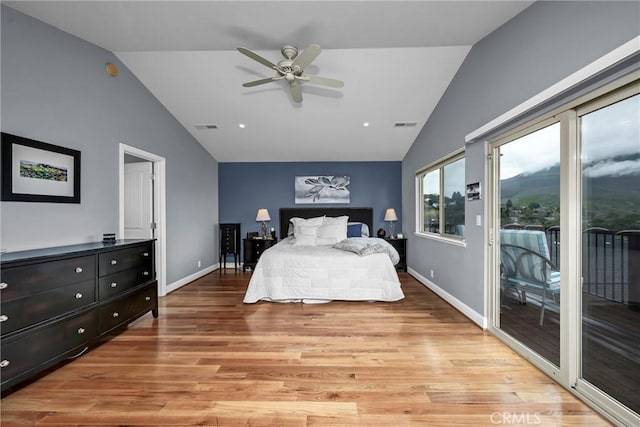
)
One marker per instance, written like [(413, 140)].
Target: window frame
[(439, 165)]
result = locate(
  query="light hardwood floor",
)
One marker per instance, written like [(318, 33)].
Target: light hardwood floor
[(211, 360)]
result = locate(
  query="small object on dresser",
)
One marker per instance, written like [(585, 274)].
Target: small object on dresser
[(109, 238), (381, 233), (252, 235)]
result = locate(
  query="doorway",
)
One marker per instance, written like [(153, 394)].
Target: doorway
[(139, 218), (155, 166)]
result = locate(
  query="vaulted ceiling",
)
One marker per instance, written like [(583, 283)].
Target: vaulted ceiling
[(396, 59)]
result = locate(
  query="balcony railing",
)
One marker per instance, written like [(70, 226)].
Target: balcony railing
[(608, 266)]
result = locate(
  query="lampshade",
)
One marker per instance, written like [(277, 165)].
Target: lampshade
[(263, 215), (390, 215)]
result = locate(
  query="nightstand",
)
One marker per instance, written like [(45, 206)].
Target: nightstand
[(401, 247), (253, 248)]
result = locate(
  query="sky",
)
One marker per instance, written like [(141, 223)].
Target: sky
[(606, 133)]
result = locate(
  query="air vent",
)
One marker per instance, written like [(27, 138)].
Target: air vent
[(404, 124), (205, 126)]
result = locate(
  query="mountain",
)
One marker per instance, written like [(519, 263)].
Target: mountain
[(545, 184)]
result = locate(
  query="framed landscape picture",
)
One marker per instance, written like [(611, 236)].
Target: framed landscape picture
[(34, 171)]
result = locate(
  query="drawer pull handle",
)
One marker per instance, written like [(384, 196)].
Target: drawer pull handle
[(3, 285), (79, 354), (145, 254), (114, 284), (4, 363), (147, 298), (115, 314), (145, 273), (114, 262), (78, 270), (4, 318), (78, 295), (81, 330)]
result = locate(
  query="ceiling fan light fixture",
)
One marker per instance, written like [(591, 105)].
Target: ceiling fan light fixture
[(242, 125), (365, 124), (291, 69)]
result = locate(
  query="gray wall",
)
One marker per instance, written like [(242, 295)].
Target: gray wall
[(55, 89), (544, 44), (245, 187)]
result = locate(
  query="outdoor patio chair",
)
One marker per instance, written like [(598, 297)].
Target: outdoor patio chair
[(525, 263)]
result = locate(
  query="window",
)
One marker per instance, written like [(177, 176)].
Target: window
[(441, 197)]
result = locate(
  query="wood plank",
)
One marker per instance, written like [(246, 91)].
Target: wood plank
[(209, 359)]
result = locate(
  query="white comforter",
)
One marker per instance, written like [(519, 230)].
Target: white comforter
[(316, 274)]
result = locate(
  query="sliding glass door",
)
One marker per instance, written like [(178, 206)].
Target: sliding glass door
[(565, 239), (529, 188), (610, 253)]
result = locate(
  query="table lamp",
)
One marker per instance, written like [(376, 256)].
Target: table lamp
[(263, 215), (390, 216)]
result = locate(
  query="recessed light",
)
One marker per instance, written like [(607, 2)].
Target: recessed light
[(365, 124), (241, 125)]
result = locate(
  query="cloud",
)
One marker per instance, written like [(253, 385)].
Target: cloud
[(531, 153), (606, 133), (612, 131), (612, 168)]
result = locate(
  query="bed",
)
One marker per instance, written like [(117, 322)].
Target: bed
[(290, 272)]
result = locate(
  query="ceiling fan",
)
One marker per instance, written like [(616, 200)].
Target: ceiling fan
[(291, 69)]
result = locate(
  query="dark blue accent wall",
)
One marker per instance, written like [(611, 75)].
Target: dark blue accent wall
[(245, 187)]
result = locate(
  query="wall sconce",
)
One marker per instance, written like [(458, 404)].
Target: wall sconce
[(390, 216), (263, 215)]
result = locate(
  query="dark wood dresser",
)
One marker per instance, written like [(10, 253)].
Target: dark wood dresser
[(57, 302)]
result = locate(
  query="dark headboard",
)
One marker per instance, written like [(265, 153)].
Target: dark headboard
[(364, 215)]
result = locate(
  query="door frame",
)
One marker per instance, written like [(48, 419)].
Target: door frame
[(159, 206)]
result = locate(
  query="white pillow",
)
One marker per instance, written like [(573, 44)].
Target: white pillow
[(306, 230), (304, 240), (332, 230), (301, 222)]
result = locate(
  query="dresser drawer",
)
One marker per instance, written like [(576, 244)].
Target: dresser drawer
[(143, 300), (22, 281), (34, 351), (124, 259), (114, 284), (124, 310), (21, 312)]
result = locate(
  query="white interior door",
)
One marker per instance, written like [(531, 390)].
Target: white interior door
[(138, 200)]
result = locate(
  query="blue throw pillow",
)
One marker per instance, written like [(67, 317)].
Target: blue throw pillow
[(354, 230)]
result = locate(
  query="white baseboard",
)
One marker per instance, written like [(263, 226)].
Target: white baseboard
[(475, 317), (185, 280)]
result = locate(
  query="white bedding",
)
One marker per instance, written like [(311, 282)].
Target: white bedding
[(317, 274)]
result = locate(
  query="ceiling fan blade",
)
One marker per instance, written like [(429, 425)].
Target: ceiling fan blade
[(322, 81), (262, 81), (296, 91), (306, 57), (257, 57)]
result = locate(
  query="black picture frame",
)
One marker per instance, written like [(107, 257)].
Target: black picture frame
[(50, 187)]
